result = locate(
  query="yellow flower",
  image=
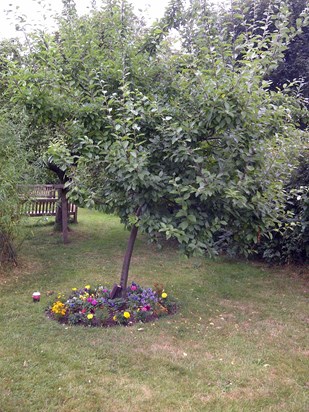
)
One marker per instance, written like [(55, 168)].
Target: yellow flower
[(114, 318), (74, 289), (164, 295), (126, 315), (59, 308), (87, 287), (90, 316)]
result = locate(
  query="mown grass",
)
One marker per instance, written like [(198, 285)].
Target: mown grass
[(237, 343)]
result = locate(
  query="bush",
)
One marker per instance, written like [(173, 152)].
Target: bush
[(289, 241), (12, 169)]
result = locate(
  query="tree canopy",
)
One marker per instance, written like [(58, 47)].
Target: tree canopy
[(189, 142)]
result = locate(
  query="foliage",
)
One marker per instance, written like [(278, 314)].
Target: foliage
[(194, 139), (94, 306), (294, 66), (65, 76), (288, 242), (207, 161), (13, 171)]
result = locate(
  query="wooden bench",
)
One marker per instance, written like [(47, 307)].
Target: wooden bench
[(44, 200), (48, 207)]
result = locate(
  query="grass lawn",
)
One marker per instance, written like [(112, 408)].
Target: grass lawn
[(237, 343)]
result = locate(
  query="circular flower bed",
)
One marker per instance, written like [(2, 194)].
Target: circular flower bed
[(94, 306)]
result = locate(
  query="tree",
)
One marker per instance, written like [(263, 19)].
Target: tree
[(204, 165), (190, 143), (295, 63), (13, 171), (62, 78)]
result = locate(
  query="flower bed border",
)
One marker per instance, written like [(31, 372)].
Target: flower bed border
[(94, 307)]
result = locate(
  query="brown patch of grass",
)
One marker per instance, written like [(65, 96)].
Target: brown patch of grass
[(25, 268), (247, 393), (164, 346), (167, 349), (271, 327), (248, 308)]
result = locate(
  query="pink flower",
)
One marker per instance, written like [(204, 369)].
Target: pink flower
[(146, 308), (84, 310), (90, 300), (133, 287), (94, 302)]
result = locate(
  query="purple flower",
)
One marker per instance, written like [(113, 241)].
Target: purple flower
[(94, 302)]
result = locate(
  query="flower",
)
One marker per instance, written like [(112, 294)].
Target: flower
[(59, 308), (93, 306)]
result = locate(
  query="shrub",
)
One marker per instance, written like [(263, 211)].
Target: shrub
[(289, 241), (12, 169)]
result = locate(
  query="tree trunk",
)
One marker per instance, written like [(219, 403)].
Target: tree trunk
[(7, 250), (127, 257), (62, 217), (58, 219), (62, 179), (65, 216)]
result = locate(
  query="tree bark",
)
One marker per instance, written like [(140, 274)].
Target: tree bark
[(7, 250), (62, 179), (64, 209), (128, 256), (58, 219)]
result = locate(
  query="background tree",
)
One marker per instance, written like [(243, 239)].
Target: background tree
[(294, 65), (65, 76), (289, 240), (205, 164), (13, 172)]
